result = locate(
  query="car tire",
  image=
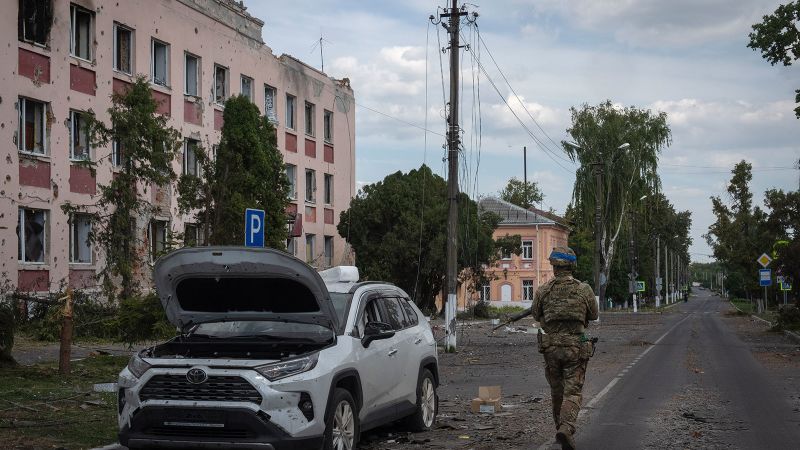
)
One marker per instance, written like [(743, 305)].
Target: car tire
[(341, 424), (427, 403)]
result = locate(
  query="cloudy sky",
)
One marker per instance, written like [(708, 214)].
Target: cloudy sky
[(684, 57)]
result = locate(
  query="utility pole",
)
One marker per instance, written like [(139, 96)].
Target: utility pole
[(453, 14), (598, 249), (525, 175), (655, 272), (632, 257)]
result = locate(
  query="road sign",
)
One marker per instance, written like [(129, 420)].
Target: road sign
[(786, 286), (640, 286), (253, 227), (780, 279), (765, 277), (764, 260)]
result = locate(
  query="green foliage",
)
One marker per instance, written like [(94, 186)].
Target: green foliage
[(783, 226), (778, 39), (141, 319), (248, 173), (7, 328), (521, 193), (398, 230), (148, 147), (788, 318)]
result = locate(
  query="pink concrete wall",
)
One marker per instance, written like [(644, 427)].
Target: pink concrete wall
[(67, 83)]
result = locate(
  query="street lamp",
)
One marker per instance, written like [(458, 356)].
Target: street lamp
[(598, 251)]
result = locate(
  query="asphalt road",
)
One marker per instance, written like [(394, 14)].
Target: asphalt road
[(698, 386)]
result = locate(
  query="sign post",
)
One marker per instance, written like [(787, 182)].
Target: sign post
[(254, 228), (764, 260)]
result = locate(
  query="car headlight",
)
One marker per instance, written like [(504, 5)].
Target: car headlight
[(283, 369), (137, 366)]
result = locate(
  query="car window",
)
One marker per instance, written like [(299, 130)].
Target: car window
[(371, 313), (411, 315), (396, 317)]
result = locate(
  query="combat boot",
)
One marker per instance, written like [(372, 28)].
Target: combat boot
[(564, 437)]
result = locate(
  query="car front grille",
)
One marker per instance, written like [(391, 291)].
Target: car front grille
[(220, 433), (216, 388)]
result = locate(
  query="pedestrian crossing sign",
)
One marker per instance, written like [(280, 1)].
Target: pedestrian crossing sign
[(786, 286), (640, 286)]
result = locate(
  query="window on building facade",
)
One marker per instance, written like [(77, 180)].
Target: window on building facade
[(32, 133), (32, 235), (190, 166), (310, 254), (328, 126), (527, 249), (159, 65), (291, 246), (80, 246), (157, 235), (527, 290), (123, 49), (328, 251), (290, 107), (35, 18), (247, 87), (505, 253), (486, 293), (116, 154), (309, 118), (220, 84), (192, 74), (81, 30), (270, 97), (191, 234), (291, 174), (328, 184), (311, 185), (79, 149)]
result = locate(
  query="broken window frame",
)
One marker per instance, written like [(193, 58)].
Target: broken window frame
[(528, 290), (192, 233), (327, 185), (154, 62), (248, 92), (310, 243), (327, 125), (291, 106), (224, 86), (74, 12), (22, 235), (328, 251), (40, 14), (118, 66), (190, 164), (270, 103), (22, 132), (309, 111), (157, 236), (311, 186), (78, 129), (291, 175), (76, 221), (191, 87)]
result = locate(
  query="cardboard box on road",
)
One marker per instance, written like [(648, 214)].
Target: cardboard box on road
[(488, 400)]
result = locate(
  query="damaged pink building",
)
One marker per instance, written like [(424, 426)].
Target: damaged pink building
[(65, 58)]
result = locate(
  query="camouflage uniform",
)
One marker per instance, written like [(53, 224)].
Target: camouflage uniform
[(564, 306)]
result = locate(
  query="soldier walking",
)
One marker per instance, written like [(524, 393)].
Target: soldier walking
[(564, 306)]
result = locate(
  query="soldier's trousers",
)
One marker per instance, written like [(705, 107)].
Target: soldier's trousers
[(565, 368)]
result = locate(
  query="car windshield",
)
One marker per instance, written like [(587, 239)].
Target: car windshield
[(266, 329), (340, 301)]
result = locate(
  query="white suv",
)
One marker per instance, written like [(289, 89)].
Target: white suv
[(274, 355)]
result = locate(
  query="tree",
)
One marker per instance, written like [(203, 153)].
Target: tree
[(599, 131), (778, 38), (521, 193), (783, 224), (148, 147), (248, 173), (398, 230)]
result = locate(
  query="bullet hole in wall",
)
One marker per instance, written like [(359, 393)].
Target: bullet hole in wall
[(195, 30)]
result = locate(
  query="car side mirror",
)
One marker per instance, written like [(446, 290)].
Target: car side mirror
[(375, 331)]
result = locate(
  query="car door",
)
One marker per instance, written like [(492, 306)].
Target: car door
[(406, 353), (379, 365)]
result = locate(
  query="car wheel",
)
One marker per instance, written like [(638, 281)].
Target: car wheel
[(427, 403), (341, 425)]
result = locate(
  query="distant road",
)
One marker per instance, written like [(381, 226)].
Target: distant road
[(698, 387)]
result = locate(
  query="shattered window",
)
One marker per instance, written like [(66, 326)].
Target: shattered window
[(80, 32), (220, 84), (309, 118), (190, 166), (191, 234), (310, 238), (328, 126), (291, 174), (116, 154), (328, 185), (311, 185), (328, 251), (35, 20), (290, 105), (80, 247), (123, 48), (269, 103), (32, 126), (79, 137), (32, 235), (160, 62), (158, 238), (247, 87)]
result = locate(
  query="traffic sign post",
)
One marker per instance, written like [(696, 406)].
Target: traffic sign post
[(254, 228), (765, 279), (640, 287), (764, 260)]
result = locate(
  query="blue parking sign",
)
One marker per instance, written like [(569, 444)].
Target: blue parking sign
[(254, 228), (765, 277)]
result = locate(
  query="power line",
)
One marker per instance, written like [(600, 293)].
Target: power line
[(423, 128)]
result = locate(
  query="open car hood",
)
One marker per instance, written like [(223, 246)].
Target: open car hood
[(213, 284)]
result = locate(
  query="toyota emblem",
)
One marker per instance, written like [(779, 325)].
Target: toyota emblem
[(196, 376)]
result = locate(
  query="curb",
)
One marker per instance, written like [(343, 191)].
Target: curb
[(792, 335), (670, 306), (753, 316)]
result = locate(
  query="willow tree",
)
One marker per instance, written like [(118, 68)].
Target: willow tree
[(628, 171)]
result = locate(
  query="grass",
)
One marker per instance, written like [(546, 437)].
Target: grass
[(748, 308), (41, 409)]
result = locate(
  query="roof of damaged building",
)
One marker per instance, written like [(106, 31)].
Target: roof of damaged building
[(511, 214)]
